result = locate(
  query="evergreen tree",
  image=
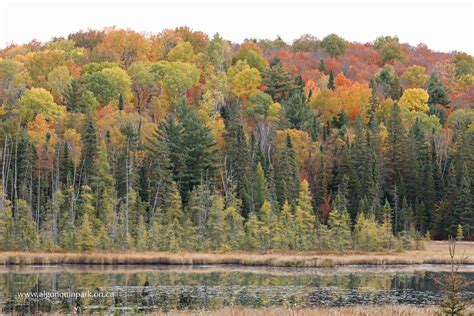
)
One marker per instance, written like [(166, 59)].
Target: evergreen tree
[(120, 102), (89, 151), (268, 226), (297, 112), (387, 228), (278, 82), (215, 222), (339, 224), (287, 176), (304, 218), (284, 238), (322, 66), (252, 232), (86, 235), (233, 223), (331, 83), (197, 147), (142, 235), (437, 91), (7, 223)]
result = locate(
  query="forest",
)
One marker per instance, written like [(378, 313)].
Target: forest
[(113, 139)]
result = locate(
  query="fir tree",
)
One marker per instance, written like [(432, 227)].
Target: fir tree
[(437, 91), (297, 112), (278, 82), (331, 84), (89, 150), (287, 177)]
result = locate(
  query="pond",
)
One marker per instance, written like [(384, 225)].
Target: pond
[(116, 289)]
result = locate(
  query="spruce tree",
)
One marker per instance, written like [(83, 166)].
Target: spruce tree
[(437, 91), (387, 226), (296, 111), (331, 84), (287, 175), (88, 152), (278, 82)]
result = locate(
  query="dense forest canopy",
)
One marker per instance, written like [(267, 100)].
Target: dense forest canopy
[(177, 140)]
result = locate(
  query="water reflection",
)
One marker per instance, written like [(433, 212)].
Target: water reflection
[(150, 288)]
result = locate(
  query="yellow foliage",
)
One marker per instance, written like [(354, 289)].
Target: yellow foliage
[(415, 99), (353, 99), (302, 144), (73, 139), (246, 83)]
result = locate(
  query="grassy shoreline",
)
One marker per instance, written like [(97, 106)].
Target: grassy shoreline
[(435, 253), (358, 310)]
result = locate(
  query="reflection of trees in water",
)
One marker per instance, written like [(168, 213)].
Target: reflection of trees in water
[(145, 291)]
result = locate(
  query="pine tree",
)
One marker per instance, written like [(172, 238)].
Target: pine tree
[(331, 84), (278, 82), (161, 167), (259, 187), (287, 175), (304, 218), (197, 148), (103, 185), (437, 91), (296, 111), (89, 150), (387, 226), (322, 66), (120, 102), (237, 160)]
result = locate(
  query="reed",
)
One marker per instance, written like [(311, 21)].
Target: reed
[(360, 310), (435, 253)]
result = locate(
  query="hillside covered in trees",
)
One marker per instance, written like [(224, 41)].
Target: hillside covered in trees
[(117, 140)]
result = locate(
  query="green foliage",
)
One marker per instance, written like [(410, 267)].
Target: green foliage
[(38, 101), (334, 45), (437, 91)]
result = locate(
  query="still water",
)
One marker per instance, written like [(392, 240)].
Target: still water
[(122, 289)]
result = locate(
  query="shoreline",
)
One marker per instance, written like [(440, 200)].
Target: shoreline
[(435, 253)]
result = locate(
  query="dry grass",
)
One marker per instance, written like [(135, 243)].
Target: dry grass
[(365, 310), (435, 253)]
